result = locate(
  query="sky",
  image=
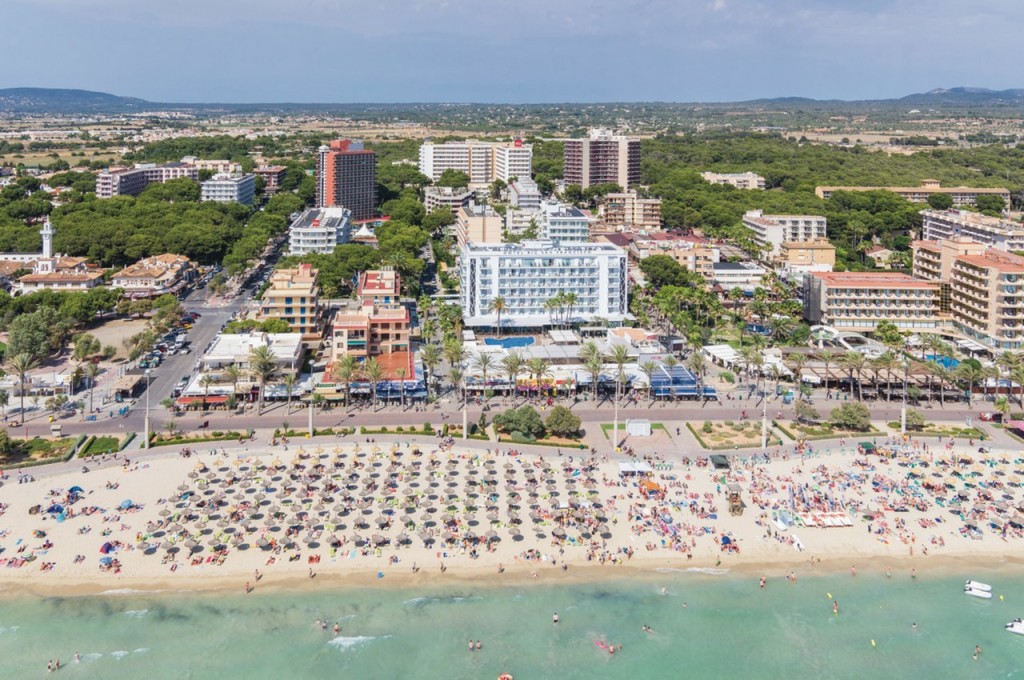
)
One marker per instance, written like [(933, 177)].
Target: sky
[(510, 51)]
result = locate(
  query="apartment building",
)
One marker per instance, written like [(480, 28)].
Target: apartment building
[(961, 195), (987, 298), (806, 256), (155, 276), (524, 194), (529, 274), (746, 276), (272, 175), (294, 296), (132, 181), (859, 301), (770, 231), (626, 209), (992, 231), (446, 197), (602, 158), (483, 162), (319, 230), (230, 189), (346, 177), (740, 180), (379, 324), (562, 224), (217, 167), (477, 224)]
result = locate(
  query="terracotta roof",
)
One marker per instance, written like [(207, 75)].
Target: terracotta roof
[(872, 280)]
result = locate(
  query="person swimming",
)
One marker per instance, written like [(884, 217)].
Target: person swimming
[(554, 619), (835, 607)]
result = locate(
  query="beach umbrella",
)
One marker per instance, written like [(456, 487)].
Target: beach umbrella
[(558, 532), (491, 535), (164, 513), (378, 539)]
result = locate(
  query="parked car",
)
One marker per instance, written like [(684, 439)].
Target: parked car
[(987, 416)]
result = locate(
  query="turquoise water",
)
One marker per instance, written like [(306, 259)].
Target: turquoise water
[(729, 628), (510, 343)]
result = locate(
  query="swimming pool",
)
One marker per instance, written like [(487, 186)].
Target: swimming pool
[(509, 343), (943, 360)]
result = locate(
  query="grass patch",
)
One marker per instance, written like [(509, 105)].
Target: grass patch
[(99, 446), (165, 440), (811, 432), (730, 434), (935, 430), (39, 451)]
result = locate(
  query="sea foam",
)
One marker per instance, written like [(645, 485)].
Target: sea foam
[(345, 643)]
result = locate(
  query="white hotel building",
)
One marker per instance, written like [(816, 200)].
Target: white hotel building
[(529, 274), (992, 231), (319, 230), (482, 161), (771, 231), (563, 224), (230, 189)]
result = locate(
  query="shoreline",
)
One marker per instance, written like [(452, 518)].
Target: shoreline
[(518, 576)]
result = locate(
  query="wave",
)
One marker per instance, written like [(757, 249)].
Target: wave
[(693, 570), (119, 654), (129, 591), (418, 602), (9, 629), (345, 643), (136, 613)]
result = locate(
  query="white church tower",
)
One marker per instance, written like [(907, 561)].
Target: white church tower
[(47, 233)]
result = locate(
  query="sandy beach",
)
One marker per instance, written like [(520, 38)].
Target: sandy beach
[(391, 514)]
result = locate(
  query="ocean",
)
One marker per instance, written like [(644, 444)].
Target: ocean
[(728, 628)]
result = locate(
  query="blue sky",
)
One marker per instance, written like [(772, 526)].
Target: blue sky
[(510, 50)]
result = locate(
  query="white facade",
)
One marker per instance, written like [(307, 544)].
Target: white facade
[(482, 161), (446, 197), (992, 231), (562, 224), (230, 189), (771, 231), (524, 194), (319, 231), (740, 180), (742, 275), (529, 274), (236, 350)]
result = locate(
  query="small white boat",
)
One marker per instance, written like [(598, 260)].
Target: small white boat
[(974, 592), (1016, 626), (977, 585)]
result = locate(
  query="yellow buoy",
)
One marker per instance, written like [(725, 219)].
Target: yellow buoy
[(829, 595), (872, 643), (1001, 597)]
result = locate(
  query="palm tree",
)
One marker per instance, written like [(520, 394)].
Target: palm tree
[(827, 357), (1017, 376), (497, 305), (92, 371), (345, 370), (430, 355), (538, 369), (696, 363), (484, 362), (970, 373), (513, 363), (455, 352), (796, 364), (455, 375), (944, 375), (20, 365), (263, 365), (1003, 407), (290, 381), (205, 383), (374, 373), (571, 300), (619, 356), (854, 362), (5, 398), (887, 362), (593, 362), (648, 368), (989, 373), (234, 374), (400, 373)]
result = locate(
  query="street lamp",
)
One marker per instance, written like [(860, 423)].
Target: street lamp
[(764, 418), (145, 440), (903, 408)]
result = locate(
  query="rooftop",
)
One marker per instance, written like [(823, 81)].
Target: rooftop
[(995, 259), (872, 280)]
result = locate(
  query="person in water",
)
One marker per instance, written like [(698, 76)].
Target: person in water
[(554, 619), (835, 607)]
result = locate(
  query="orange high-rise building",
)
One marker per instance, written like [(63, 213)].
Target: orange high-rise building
[(346, 176)]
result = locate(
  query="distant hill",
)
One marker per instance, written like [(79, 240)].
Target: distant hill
[(958, 96), (47, 100), (61, 101)]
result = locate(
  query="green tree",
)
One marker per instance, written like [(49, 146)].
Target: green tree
[(990, 203), (430, 355), (374, 373), (21, 364), (562, 422), (453, 178), (851, 415), (289, 381), (345, 370), (497, 305), (805, 412), (940, 201), (915, 420), (513, 365), (263, 365), (524, 419)]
